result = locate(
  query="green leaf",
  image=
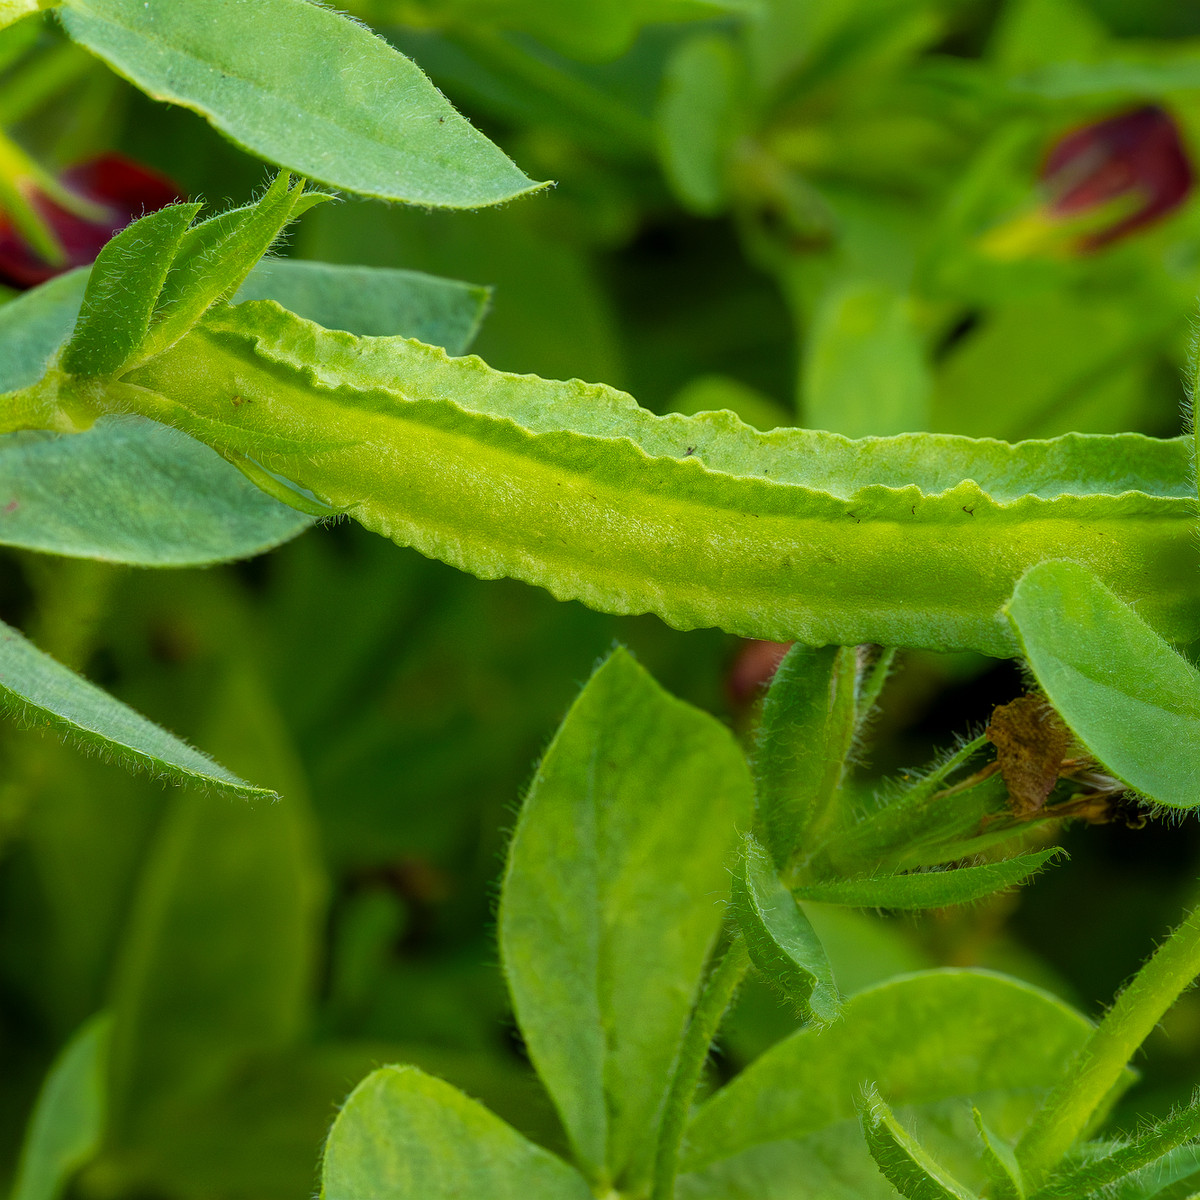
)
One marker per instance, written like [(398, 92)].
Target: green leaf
[(305, 88), (809, 719), (35, 324), (929, 889), (373, 301), (1130, 698), (865, 372), (697, 121), (1145, 1147), (214, 257), (122, 291), (67, 1124), (925, 1038), (1004, 1171), (790, 535), (404, 1135), (604, 929), (903, 1161), (782, 943), (132, 491), (220, 950), (39, 691)]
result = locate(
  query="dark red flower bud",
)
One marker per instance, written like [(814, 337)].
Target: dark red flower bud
[(124, 190), (1136, 157), (752, 669)]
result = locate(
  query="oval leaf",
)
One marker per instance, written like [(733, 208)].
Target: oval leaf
[(305, 88), (404, 1135), (1130, 698), (631, 818), (39, 691)]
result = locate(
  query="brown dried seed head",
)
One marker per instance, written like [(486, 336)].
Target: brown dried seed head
[(1031, 743)]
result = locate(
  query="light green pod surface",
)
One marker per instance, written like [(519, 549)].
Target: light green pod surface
[(914, 540)]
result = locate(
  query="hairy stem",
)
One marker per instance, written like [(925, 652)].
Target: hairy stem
[(714, 1000), (1069, 1108)]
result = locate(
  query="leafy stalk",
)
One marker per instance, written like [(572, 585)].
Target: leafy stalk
[(715, 999), (1070, 1106)]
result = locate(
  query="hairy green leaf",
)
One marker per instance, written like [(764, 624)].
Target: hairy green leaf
[(929, 889), (794, 534), (903, 1161), (122, 291), (604, 923), (1145, 1147), (305, 88), (923, 1038), (404, 1135), (39, 691), (782, 943), (67, 1124), (214, 257), (1130, 698), (35, 324), (809, 719), (129, 490)]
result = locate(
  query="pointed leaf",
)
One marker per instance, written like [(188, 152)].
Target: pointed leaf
[(901, 1158), (67, 1124), (806, 732), (39, 691), (604, 923), (1004, 1171), (1130, 698), (122, 290), (306, 88), (215, 256), (929, 889), (782, 943), (404, 1135), (1145, 1147), (924, 1038)]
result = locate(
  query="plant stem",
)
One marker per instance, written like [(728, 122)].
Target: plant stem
[(1069, 1108), (715, 998)]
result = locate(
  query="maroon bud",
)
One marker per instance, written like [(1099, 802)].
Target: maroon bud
[(123, 189), (752, 669), (1137, 156)]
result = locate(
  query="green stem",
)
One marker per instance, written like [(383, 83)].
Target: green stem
[(1067, 1111), (714, 1000)]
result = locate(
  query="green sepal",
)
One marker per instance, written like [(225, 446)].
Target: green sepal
[(38, 691), (1000, 1160), (122, 291), (929, 889), (901, 1158), (215, 256), (1126, 693), (806, 732), (782, 943)]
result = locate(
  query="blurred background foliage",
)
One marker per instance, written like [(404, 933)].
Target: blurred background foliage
[(841, 213)]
